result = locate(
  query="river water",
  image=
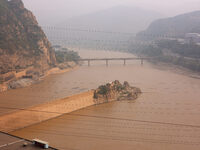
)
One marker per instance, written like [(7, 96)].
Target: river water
[(164, 117)]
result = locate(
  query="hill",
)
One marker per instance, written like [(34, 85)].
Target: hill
[(23, 44), (117, 19), (175, 26)]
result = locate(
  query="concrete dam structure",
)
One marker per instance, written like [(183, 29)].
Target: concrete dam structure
[(32, 115)]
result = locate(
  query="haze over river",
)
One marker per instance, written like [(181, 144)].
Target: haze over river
[(168, 97)]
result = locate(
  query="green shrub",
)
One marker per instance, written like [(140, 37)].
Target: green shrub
[(103, 90), (64, 56)]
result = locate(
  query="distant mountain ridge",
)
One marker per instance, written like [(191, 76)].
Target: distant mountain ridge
[(117, 19), (175, 26)]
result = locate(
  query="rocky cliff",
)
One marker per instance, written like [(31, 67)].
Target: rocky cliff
[(115, 91), (23, 44)]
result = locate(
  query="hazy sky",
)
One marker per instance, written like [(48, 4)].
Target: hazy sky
[(71, 8), (77, 7)]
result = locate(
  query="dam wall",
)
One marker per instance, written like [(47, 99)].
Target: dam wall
[(36, 114)]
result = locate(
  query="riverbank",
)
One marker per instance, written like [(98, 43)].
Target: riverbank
[(164, 65), (20, 80)]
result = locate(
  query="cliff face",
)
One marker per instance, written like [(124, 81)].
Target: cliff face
[(23, 44)]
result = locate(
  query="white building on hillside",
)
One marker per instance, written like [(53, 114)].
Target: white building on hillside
[(192, 37)]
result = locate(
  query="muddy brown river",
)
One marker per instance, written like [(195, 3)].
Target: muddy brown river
[(165, 117)]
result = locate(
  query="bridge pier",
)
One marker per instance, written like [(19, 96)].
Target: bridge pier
[(124, 62), (142, 61), (107, 62), (88, 63)]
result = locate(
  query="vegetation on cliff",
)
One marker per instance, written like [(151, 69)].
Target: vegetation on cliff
[(115, 91), (65, 55)]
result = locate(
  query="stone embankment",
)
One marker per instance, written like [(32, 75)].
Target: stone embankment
[(25, 117), (14, 80)]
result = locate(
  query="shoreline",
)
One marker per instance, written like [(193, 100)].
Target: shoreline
[(23, 82), (169, 66), (175, 69)]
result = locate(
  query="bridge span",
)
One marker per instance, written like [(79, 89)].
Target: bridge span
[(88, 60)]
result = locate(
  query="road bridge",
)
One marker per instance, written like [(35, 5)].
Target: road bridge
[(88, 60)]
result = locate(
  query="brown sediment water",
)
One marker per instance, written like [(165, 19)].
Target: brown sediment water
[(165, 117), (56, 86)]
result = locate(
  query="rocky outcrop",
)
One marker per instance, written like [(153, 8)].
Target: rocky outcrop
[(23, 44), (115, 91)]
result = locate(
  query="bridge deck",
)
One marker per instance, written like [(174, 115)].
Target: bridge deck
[(128, 58), (108, 59)]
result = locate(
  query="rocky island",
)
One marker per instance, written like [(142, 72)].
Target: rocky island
[(115, 91)]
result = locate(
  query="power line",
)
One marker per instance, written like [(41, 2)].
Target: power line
[(149, 112), (135, 111), (122, 138), (66, 148), (105, 117), (128, 125), (92, 30), (114, 138), (11, 143), (22, 139), (119, 131), (139, 102), (144, 121), (24, 109)]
